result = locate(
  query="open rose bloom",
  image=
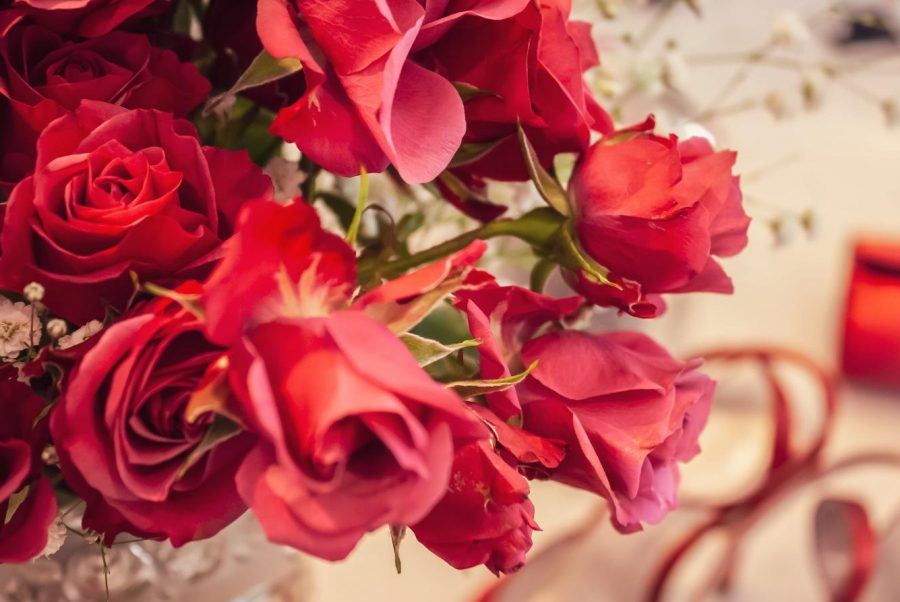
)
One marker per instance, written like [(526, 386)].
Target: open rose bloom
[(181, 344)]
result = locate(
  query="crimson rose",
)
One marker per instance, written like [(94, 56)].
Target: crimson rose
[(118, 191), (128, 443), (44, 77), (485, 517), (654, 212), (353, 434), (627, 421), (27, 500), (86, 18), (624, 423)]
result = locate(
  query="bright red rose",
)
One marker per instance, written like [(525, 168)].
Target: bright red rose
[(24, 493), (46, 77), (118, 191), (534, 77), (367, 103), (279, 263), (628, 412), (86, 18), (354, 434), (485, 517), (128, 445), (655, 212)]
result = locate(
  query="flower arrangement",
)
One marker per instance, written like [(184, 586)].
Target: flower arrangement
[(182, 340)]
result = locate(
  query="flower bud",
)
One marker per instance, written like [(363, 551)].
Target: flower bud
[(33, 292), (57, 328)]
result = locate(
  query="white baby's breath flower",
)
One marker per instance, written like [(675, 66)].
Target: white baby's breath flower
[(57, 328), (81, 335), (19, 328), (789, 29), (56, 538), (33, 292)]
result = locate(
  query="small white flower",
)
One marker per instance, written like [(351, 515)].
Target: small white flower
[(56, 538), (19, 329), (786, 229), (33, 292), (57, 328), (891, 112), (776, 104), (789, 29), (81, 335)]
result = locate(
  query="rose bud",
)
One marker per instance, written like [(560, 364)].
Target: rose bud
[(117, 192), (484, 518), (27, 500), (627, 421), (47, 76), (354, 435), (130, 444), (655, 212)]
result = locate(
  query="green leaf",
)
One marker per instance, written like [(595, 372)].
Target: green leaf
[(428, 351), (264, 69), (547, 186), (575, 258), (472, 151), (468, 389)]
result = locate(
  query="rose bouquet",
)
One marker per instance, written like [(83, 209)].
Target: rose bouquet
[(181, 340)]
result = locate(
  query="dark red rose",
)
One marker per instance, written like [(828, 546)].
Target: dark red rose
[(628, 411), (367, 103), (118, 191), (127, 442), (354, 434), (279, 263), (655, 212), (27, 500), (86, 18), (534, 77), (484, 518), (44, 77), (229, 26)]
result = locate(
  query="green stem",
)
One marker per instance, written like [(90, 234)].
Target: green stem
[(536, 228), (541, 273)]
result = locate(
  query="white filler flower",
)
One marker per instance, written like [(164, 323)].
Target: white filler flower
[(18, 328)]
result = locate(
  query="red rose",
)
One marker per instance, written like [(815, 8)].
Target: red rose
[(126, 443), (279, 263), (485, 517), (611, 413), (117, 191), (654, 212), (86, 18), (534, 77), (367, 103), (27, 500), (627, 411), (354, 434), (46, 76)]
